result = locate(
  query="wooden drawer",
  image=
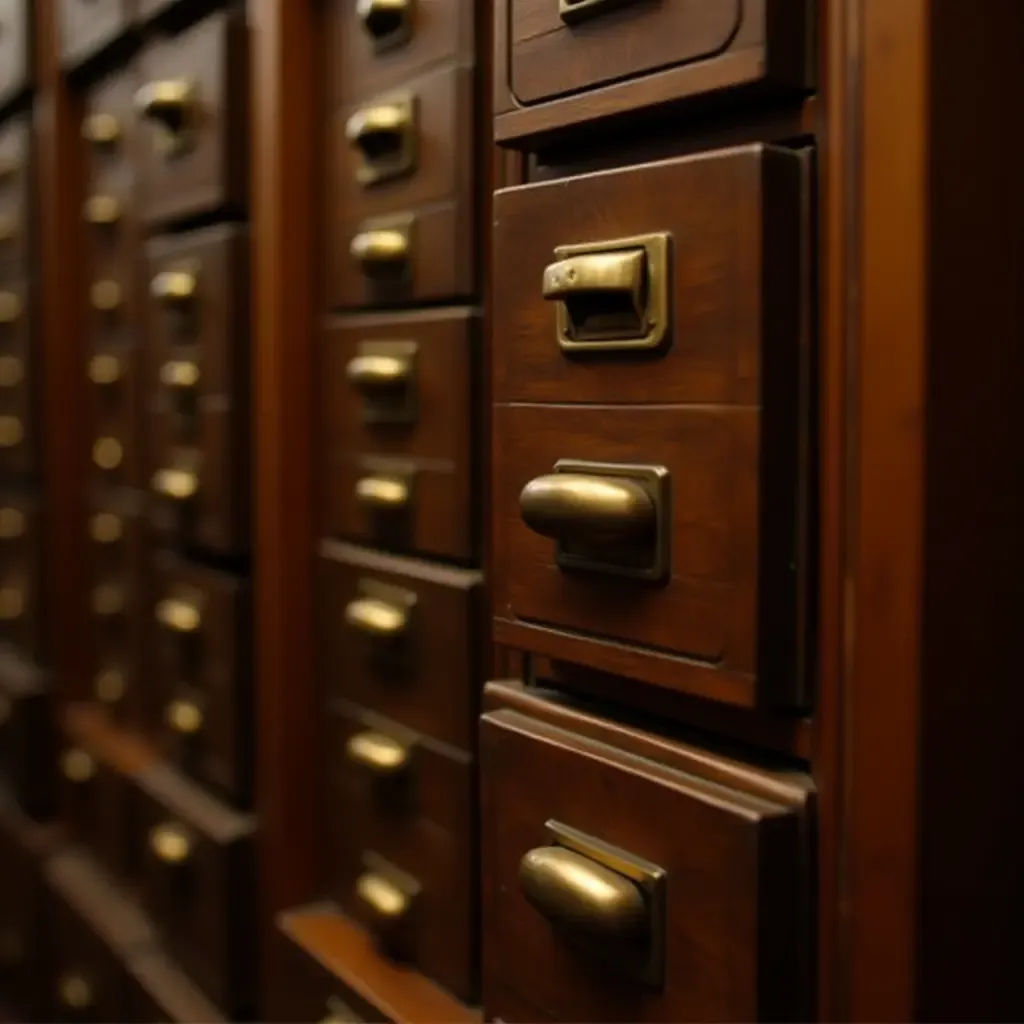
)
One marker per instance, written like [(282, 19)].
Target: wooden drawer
[(558, 47), (374, 45), (193, 105), (15, 47), (17, 427), (708, 303), (15, 196), (198, 885), (201, 644), (423, 428), (401, 637), (26, 737), (20, 576), (623, 918), (199, 386), (89, 26), (158, 991), (401, 816)]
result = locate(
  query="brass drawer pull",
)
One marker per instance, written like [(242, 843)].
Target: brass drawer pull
[(387, 901), (107, 453), (179, 373), (12, 371), (388, 22), (385, 135), (10, 307), (178, 616), (12, 523), (384, 373), (184, 717), (104, 370), (11, 432), (377, 618), (382, 248), (174, 286), (171, 844), (12, 604), (77, 766), (110, 686), (171, 106), (105, 296), (105, 528), (101, 129), (102, 210), (611, 296), (382, 493), (74, 992), (107, 601), (372, 373), (179, 484), (572, 11), (381, 754)]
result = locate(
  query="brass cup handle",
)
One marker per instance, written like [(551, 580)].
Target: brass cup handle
[(384, 18), (104, 370), (184, 717), (579, 894), (102, 210), (12, 523), (384, 493), (179, 484), (373, 373), (380, 119), (598, 509), (171, 844), (174, 286), (74, 992), (167, 102), (178, 616), (376, 618), (179, 373), (387, 901), (572, 11), (618, 273), (10, 307), (12, 371), (380, 247), (77, 766), (105, 528), (101, 129), (105, 296), (377, 752)]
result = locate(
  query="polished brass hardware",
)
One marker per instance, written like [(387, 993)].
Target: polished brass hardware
[(384, 374), (609, 901), (171, 844), (383, 246), (172, 107), (10, 307), (388, 22), (11, 371), (605, 517), (102, 210), (105, 296), (107, 453), (385, 135), (77, 766), (572, 11), (74, 992), (105, 528), (179, 484), (12, 604), (174, 286), (8, 228), (184, 717), (11, 432), (376, 617), (383, 755), (611, 296), (383, 897), (110, 686), (12, 523), (383, 493), (179, 373), (107, 601), (104, 369), (178, 616), (101, 129), (387, 896)]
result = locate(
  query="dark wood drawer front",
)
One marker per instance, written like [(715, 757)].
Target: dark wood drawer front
[(374, 45), (89, 26), (201, 622), (398, 800), (20, 576), (15, 197), (193, 104), (199, 880), (400, 637), (17, 429), (564, 46), (15, 47), (423, 422), (26, 737), (689, 583), (715, 243), (704, 920), (198, 391)]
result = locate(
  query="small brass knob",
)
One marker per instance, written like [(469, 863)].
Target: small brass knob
[(184, 717), (101, 129), (167, 101), (107, 453), (373, 373), (12, 371), (179, 484), (104, 369), (381, 754), (380, 248), (12, 604), (383, 897), (376, 618), (384, 493), (105, 528), (102, 210), (171, 844), (10, 307), (107, 601), (105, 296), (12, 523), (173, 286), (179, 373), (77, 766), (178, 616), (11, 432), (110, 686), (74, 992)]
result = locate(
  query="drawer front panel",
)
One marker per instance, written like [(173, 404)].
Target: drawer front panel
[(702, 920), (416, 816), (400, 644)]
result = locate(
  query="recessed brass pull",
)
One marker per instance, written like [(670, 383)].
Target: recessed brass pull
[(105, 296), (379, 248), (12, 604), (101, 129), (173, 286), (171, 106), (385, 135), (77, 766), (171, 844), (184, 717), (387, 901), (105, 528), (574, 891), (102, 210), (104, 369), (611, 296), (376, 618), (179, 373), (109, 686), (572, 11), (179, 484), (12, 371), (107, 601), (12, 523), (11, 432), (384, 493), (107, 453), (388, 22), (178, 616), (381, 754), (601, 509), (372, 373), (74, 992), (10, 307)]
